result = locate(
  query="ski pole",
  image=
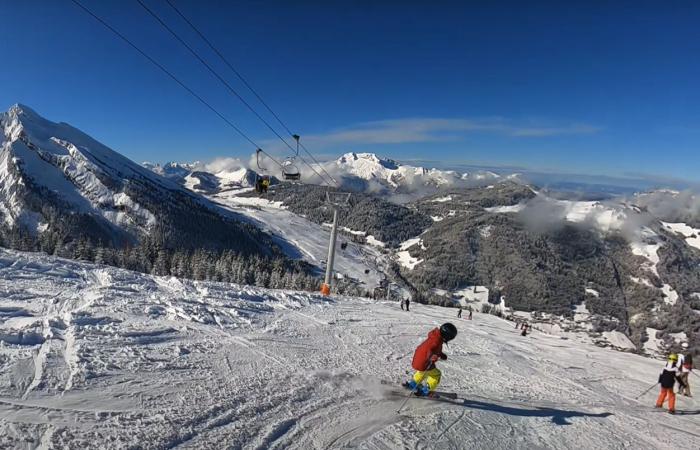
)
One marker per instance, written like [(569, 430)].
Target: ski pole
[(652, 387), (404, 402)]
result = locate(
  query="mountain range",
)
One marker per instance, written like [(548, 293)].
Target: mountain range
[(629, 265)]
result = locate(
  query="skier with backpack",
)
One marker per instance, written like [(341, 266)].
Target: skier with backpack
[(426, 356), (668, 379)]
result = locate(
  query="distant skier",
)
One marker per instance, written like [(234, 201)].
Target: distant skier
[(685, 367), (402, 303), (470, 313), (668, 379), (426, 356), (459, 313), (408, 302), (526, 329)]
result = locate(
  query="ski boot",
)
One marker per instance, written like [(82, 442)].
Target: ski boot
[(410, 385), (422, 391)]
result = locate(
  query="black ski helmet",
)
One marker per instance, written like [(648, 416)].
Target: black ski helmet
[(448, 332)]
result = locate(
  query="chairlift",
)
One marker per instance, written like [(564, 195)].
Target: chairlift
[(290, 171), (262, 181)]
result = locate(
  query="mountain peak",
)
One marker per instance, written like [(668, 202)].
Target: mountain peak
[(372, 158), (21, 109)]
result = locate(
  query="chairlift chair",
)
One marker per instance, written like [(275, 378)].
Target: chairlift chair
[(262, 182), (290, 171)]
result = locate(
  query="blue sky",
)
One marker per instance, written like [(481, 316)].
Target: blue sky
[(586, 87)]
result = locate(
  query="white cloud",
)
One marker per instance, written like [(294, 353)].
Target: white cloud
[(427, 129)]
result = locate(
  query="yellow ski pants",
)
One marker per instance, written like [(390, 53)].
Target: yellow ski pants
[(433, 377)]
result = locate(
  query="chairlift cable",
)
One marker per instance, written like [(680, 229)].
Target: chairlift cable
[(213, 72), (172, 76), (248, 85), (230, 66)]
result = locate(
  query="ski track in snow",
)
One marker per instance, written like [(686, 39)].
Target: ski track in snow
[(116, 359)]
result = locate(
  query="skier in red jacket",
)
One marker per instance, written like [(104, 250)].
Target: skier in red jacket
[(425, 357)]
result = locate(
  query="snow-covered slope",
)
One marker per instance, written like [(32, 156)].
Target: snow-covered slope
[(306, 240), (96, 357)]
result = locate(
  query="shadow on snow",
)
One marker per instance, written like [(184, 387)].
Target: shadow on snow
[(559, 416)]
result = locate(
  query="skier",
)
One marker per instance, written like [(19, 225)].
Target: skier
[(459, 313), (408, 302), (425, 357), (470, 313), (402, 303), (668, 379), (685, 368)]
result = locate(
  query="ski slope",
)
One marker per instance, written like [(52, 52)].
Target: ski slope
[(98, 357), (306, 240)]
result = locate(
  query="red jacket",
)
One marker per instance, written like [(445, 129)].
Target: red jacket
[(429, 351)]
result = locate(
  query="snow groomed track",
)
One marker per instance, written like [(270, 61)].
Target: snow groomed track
[(97, 357)]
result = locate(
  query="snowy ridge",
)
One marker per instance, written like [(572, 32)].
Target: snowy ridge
[(79, 171), (96, 356), (394, 175), (206, 178)]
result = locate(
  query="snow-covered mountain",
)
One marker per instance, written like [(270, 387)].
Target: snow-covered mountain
[(358, 172), (172, 170), (97, 357), (202, 178), (395, 176), (58, 183)]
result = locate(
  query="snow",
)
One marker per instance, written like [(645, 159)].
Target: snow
[(642, 281), (406, 260), (472, 294), (355, 232), (447, 198), (670, 295), (679, 337), (692, 235), (653, 345), (368, 166), (371, 240), (619, 340), (83, 173), (582, 315), (506, 209), (117, 359), (592, 292), (410, 243), (303, 239), (648, 248), (437, 218)]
